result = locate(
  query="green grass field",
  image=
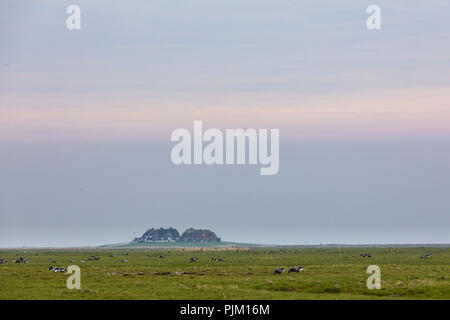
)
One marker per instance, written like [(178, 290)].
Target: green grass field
[(245, 274)]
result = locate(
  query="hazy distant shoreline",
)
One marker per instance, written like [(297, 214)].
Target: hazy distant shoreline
[(227, 245)]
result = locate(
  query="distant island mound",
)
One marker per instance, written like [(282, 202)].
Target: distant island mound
[(172, 235)]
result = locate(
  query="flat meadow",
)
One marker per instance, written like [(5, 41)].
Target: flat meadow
[(328, 273)]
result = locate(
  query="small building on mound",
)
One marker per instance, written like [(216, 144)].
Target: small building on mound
[(199, 235), (159, 235)]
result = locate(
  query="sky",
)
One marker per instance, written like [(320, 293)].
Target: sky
[(86, 117)]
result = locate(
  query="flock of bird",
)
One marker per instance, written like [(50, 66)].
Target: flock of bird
[(293, 269), (20, 260), (57, 269), (192, 259), (96, 258)]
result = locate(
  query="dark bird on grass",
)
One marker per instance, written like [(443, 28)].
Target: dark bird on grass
[(295, 269), (51, 260), (195, 259), (279, 271)]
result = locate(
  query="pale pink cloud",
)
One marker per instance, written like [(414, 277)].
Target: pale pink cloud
[(399, 113)]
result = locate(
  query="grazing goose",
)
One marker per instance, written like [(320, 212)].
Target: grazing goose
[(279, 271), (295, 269), (93, 258)]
